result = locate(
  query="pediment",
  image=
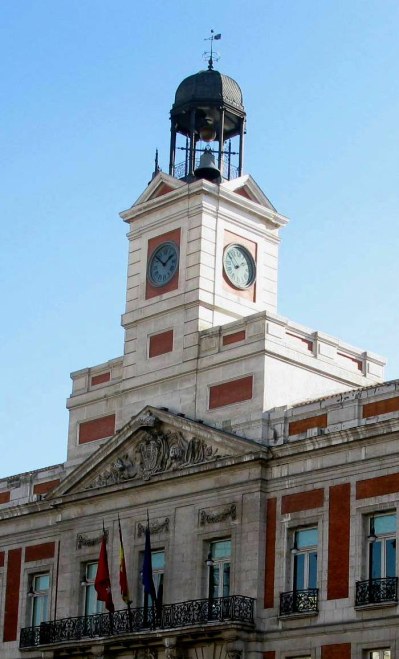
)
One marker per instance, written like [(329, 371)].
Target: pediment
[(152, 445), (248, 188), (160, 185)]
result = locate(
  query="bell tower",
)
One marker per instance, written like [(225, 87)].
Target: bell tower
[(208, 109)]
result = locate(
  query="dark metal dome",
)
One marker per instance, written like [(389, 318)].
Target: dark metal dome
[(209, 87)]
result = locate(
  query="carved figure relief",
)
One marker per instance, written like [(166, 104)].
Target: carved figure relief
[(156, 453)]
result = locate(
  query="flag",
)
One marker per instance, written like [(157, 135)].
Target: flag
[(217, 36), (147, 578), (122, 569), (102, 582)]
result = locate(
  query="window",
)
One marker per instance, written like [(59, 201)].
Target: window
[(219, 572), (39, 592), (379, 654), (91, 603), (381, 583), (303, 598), (305, 559), (158, 571), (382, 546)]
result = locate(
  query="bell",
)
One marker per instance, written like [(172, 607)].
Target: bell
[(207, 168)]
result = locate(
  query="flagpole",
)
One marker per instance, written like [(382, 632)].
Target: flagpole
[(123, 577)]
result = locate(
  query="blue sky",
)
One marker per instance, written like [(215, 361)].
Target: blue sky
[(86, 89)]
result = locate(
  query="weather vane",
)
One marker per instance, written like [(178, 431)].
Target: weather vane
[(210, 55)]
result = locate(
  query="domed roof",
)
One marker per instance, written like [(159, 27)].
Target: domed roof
[(211, 87)]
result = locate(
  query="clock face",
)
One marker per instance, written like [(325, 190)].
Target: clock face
[(163, 264), (239, 266)]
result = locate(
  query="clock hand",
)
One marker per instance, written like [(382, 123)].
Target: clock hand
[(160, 260), (169, 257)]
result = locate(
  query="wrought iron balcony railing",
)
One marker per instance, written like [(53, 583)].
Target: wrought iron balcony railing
[(376, 591), (299, 601), (236, 608)]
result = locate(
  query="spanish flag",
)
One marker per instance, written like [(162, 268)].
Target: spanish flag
[(122, 569)]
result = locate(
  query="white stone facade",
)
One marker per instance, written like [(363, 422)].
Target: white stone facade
[(307, 439)]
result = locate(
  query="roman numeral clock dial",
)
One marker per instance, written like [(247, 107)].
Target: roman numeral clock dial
[(163, 264), (239, 266)]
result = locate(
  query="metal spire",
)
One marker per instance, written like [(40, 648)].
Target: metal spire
[(213, 56)]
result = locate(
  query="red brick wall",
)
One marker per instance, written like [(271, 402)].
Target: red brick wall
[(374, 487), (100, 378), (291, 503), (5, 497), (161, 343), (230, 392), (96, 429), (153, 243), (43, 488), (295, 427), (234, 337), (338, 541), (271, 523), (12, 595), (338, 651), (39, 552), (381, 407)]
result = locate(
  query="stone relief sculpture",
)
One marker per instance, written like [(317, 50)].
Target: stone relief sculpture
[(156, 453), (83, 541), (218, 516), (155, 527)]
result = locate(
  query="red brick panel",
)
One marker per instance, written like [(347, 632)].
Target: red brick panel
[(270, 557), (5, 496), (100, 378), (338, 541), (292, 503), (39, 552), (1, 558), (356, 362), (163, 189), (337, 651), (269, 654), (161, 343), (305, 342), (234, 337), (153, 243), (43, 488), (231, 392), (295, 427), (381, 407), (89, 431), (12, 595), (374, 487)]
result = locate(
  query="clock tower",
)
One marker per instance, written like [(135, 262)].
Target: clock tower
[(202, 333)]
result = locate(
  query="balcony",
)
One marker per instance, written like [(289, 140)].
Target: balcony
[(299, 602), (376, 591), (235, 608)]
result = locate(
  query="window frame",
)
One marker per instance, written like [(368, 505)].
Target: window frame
[(87, 583), (221, 563), (35, 596), (382, 539), (144, 598), (307, 551)]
